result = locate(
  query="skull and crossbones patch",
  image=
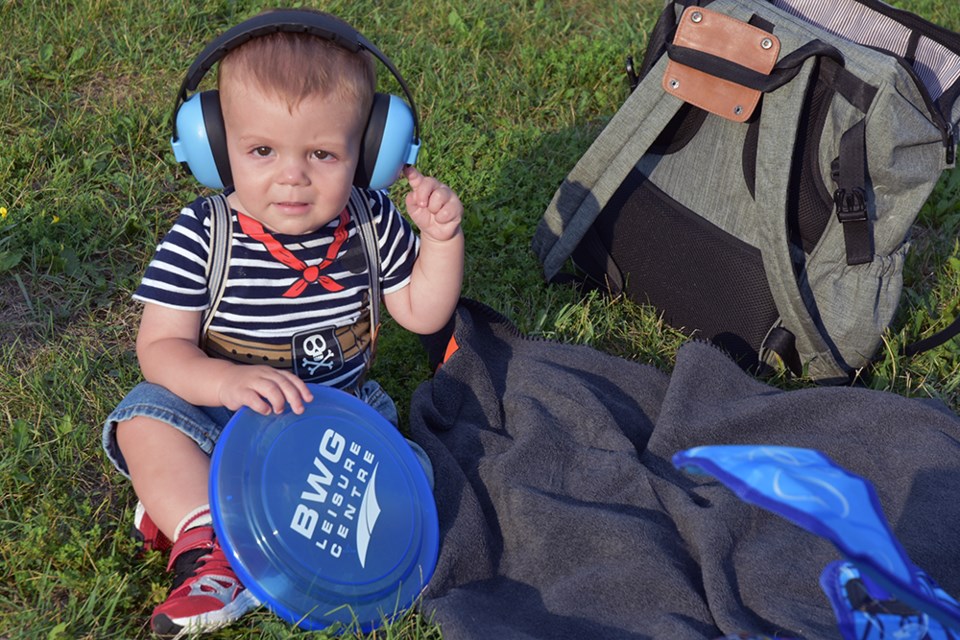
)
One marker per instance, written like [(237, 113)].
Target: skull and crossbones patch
[(316, 354)]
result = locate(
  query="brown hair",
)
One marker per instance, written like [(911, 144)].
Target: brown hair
[(295, 66)]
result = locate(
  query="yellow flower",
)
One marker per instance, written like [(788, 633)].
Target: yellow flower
[(56, 219), (3, 213)]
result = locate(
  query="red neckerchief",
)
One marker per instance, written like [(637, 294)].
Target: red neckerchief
[(308, 274)]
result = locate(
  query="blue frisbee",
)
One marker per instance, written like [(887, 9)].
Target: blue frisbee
[(327, 517)]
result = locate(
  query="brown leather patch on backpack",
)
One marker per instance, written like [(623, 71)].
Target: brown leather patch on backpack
[(724, 37)]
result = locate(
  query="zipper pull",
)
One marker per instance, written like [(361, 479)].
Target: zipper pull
[(951, 147), (632, 78)]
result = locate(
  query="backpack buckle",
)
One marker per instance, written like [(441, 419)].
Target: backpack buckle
[(851, 205)]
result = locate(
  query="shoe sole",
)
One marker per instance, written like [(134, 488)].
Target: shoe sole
[(176, 628)]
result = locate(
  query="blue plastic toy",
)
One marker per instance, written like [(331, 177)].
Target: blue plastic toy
[(877, 593)]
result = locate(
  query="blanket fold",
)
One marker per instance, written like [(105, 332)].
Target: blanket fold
[(562, 516)]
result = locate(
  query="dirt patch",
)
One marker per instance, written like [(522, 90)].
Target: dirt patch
[(16, 322)]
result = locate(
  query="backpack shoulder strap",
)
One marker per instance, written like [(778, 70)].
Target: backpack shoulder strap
[(596, 176), (218, 257), (937, 339), (359, 207)]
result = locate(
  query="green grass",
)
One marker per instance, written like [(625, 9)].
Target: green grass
[(510, 96)]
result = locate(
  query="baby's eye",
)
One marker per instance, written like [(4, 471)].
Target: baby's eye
[(263, 152), (322, 155)]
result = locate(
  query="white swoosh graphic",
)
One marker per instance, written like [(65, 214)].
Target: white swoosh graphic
[(777, 455), (842, 508), (369, 512)]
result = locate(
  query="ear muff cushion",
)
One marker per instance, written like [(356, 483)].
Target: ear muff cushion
[(200, 143), (388, 143), (217, 135), (372, 136)]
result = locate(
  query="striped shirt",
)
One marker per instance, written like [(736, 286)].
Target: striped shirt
[(262, 325)]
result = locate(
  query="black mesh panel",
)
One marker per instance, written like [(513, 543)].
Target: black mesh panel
[(699, 276), (810, 204)]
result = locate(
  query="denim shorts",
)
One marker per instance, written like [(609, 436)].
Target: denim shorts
[(204, 424)]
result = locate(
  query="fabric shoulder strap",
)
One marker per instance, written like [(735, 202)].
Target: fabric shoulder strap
[(602, 169), (937, 339), (359, 207), (218, 257)]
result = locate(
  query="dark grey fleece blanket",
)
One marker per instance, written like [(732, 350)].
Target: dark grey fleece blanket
[(562, 516)]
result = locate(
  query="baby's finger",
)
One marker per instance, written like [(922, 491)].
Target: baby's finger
[(429, 194), (295, 391), (441, 196), (450, 212), (254, 401), (272, 392), (413, 176)]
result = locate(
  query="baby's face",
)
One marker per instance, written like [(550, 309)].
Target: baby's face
[(292, 167)]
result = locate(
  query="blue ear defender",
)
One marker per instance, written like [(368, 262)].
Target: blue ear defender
[(201, 144), (391, 139), (389, 143)]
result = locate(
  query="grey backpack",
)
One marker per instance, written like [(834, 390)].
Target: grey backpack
[(759, 184)]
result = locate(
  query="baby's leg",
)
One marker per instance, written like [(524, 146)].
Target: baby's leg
[(163, 444), (170, 472)]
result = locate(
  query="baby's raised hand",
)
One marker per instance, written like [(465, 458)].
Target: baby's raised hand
[(433, 206)]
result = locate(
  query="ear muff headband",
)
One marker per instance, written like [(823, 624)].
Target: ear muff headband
[(373, 171)]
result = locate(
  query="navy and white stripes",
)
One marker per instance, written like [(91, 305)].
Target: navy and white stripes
[(937, 66), (253, 306)]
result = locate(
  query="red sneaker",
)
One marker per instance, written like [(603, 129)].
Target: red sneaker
[(147, 533), (206, 593)]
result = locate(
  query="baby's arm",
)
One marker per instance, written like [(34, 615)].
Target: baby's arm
[(425, 305), (169, 356)]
